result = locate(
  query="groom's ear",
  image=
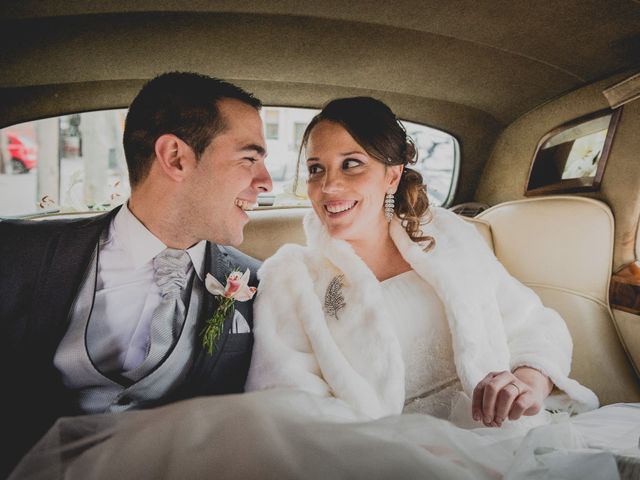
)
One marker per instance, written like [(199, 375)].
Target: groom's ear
[(175, 158)]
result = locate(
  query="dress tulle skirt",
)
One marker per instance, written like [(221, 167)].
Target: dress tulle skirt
[(284, 434)]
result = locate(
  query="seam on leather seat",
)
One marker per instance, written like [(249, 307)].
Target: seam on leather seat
[(603, 206), (567, 290)]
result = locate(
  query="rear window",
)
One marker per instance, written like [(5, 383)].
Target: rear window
[(75, 163)]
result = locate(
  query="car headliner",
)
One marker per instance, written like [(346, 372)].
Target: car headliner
[(501, 57)]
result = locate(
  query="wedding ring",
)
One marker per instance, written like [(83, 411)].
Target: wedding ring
[(514, 384)]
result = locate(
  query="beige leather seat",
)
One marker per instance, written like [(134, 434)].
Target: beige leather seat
[(562, 248), (269, 229)]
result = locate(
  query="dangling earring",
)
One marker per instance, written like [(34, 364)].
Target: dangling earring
[(389, 203)]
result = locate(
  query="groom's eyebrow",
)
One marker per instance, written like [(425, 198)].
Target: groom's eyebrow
[(253, 147)]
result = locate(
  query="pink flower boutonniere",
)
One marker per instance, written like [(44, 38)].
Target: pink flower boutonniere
[(237, 288)]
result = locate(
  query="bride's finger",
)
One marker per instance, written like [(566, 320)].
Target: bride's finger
[(507, 399), (478, 395), (523, 403), (490, 395)]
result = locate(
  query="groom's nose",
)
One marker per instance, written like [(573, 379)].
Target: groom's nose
[(262, 180)]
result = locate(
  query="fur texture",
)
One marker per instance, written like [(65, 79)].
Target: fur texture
[(496, 322)]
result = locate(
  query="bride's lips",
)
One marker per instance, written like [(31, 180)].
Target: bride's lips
[(339, 208)]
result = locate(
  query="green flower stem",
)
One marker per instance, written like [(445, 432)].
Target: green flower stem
[(213, 327)]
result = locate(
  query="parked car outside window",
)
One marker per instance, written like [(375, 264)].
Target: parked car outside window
[(22, 152)]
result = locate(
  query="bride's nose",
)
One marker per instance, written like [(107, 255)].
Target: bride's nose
[(333, 181)]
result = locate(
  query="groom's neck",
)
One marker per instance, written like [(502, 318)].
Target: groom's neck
[(162, 219)]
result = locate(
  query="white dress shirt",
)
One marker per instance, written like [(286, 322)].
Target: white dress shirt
[(126, 292)]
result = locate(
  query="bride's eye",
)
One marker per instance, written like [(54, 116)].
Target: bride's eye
[(351, 163), (314, 169)]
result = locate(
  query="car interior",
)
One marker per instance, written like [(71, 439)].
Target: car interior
[(516, 84)]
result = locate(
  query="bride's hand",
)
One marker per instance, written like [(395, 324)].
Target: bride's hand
[(502, 395)]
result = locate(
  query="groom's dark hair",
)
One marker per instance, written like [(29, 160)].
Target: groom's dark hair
[(180, 103)]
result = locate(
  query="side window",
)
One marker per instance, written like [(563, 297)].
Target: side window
[(283, 149), (71, 163), (438, 158)]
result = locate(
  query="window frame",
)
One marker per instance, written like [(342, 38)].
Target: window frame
[(574, 185)]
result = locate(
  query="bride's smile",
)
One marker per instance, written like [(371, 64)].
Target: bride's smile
[(338, 207)]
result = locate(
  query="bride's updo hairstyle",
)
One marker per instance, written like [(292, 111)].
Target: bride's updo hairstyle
[(375, 128)]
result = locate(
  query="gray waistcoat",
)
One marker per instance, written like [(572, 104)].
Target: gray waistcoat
[(99, 392)]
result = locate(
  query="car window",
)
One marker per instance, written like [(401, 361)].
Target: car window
[(438, 158), (70, 163), (572, 157), (75, 163), (26, 141)]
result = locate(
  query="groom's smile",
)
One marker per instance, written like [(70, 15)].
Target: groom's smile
[(245, 204)]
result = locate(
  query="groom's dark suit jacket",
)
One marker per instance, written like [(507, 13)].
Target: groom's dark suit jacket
[(41, 268)]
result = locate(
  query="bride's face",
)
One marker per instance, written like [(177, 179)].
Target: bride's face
[(346, 185)]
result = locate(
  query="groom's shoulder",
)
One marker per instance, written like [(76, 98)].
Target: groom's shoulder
[(27, 232), (238, 259)]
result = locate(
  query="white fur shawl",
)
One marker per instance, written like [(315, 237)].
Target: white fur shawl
[(496, 322)]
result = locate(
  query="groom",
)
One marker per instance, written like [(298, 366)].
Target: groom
[(104, 314)]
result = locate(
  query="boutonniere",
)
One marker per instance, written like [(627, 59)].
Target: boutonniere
[(237, 288)]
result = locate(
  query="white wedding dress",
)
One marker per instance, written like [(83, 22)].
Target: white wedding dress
[(419, 321), (290, 435)]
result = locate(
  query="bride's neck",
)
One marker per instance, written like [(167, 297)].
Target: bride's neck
[(381, 256)]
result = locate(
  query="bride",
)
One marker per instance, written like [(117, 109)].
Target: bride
[(394, 305)]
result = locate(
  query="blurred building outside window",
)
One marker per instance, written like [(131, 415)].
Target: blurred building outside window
[(271, 123)]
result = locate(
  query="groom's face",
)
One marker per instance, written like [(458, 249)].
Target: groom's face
[(229, 176)]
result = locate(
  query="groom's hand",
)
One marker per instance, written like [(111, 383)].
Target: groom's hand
[(502, 395)]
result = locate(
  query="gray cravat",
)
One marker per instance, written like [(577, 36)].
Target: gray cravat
[(171, 267)]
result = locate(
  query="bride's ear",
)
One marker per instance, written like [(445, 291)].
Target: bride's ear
[(394, 173)]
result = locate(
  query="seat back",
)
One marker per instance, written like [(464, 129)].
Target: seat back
[(562, 248), (269, 229)]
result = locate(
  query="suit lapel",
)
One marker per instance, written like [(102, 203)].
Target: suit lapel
[(205, 363)]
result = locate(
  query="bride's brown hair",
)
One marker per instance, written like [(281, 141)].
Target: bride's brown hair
[(375, 128)]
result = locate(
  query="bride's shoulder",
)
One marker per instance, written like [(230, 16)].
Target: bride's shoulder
[(441, 218)]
